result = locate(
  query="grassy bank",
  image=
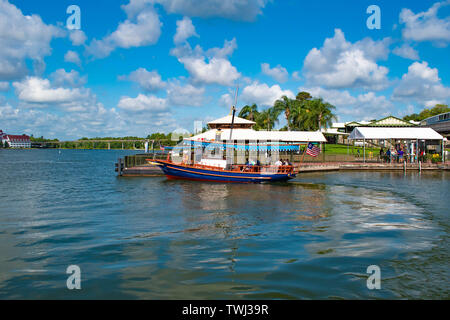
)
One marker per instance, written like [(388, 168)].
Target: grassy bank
[(331, 149)]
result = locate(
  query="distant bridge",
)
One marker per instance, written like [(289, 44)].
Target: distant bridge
[(47, 143)]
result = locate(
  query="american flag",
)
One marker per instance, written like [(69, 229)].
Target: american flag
[(312, 150)]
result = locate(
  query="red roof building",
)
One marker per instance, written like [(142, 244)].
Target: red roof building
[(15, 141)]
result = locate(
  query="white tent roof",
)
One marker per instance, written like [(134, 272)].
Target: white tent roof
[(250, 134), (408, 133), (333, 131), (228, 119)]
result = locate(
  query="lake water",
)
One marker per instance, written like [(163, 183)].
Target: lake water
[(149, 238)]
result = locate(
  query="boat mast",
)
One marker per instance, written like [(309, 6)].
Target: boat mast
[(233, 111)]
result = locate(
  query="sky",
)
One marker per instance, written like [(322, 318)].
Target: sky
[(134, 67)]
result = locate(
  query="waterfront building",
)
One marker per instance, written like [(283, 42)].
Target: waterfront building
[(412, 140), (339, 131), (15, 141)]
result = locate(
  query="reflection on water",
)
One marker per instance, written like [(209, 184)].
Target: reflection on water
[(152, 238)]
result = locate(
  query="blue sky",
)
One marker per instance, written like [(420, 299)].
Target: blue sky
[(143, 66)]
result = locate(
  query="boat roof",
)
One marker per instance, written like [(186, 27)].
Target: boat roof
[(250, 134), (227, 120)]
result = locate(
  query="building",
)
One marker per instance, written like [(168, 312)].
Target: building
[(339, 131), (412, 139), (15, 141)]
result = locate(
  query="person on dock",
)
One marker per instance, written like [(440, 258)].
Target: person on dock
[(381, 154), (393, 155), (400, 155), (388, 155)]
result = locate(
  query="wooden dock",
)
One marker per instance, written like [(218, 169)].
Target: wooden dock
[(142, 171)]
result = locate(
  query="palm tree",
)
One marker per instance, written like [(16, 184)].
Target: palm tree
[(301, 117), (321, 113), (249, 112), (311, 114), (266, 119), (285, 104), (303, 95)]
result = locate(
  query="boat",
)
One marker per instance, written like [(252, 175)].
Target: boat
[(235, 173), (231, 151)]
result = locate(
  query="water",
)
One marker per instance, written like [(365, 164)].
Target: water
[(150, 238)]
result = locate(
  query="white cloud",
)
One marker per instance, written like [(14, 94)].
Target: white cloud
[(364, 106), (186, 95), (78, 37), (296, 76), (226, 100), (211, 67), (26, 121), (148, 80), (406, 51), (279, 73), (56, 109), (142, 30), (406, 111), (63, 78), (341, 64), (39, 91), (94, 121), (216, 70), (185, 30), (72, 56), (262, 94), (426, 26), (133, 7), (244, 10), (421, 84), (143, 102), (22, 37)]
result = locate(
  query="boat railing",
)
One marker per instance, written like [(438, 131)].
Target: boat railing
[(250, 168), (267, 169), (263, 169)]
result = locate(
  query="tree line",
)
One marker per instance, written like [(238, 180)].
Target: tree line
[(304, 113), (426, 113)]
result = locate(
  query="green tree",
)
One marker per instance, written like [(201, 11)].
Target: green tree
[(285, 105), (266, 119), (311, 115), (426, 113), (321, 113), (303, 96), (249, 112)]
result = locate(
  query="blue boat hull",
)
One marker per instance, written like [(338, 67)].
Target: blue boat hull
[(174, 171)]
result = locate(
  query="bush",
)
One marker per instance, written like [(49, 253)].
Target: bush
[(436, 158)]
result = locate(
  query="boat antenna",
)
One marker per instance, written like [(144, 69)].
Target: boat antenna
[(233, 110)]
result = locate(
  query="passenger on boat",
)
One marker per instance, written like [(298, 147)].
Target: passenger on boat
[(278, 164), (247, 165)]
